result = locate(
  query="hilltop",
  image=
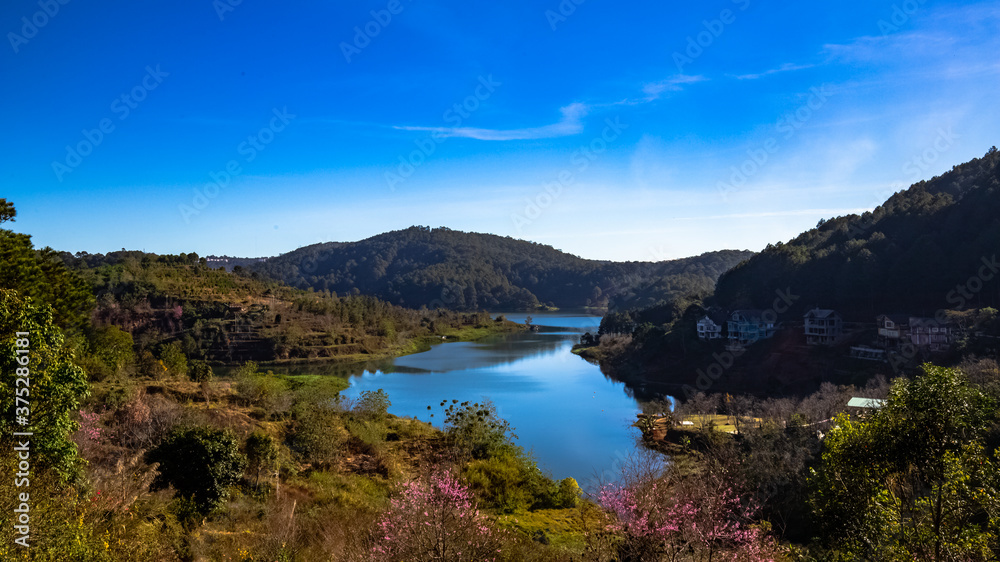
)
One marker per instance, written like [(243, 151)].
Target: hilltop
[(440, 267), (918, 252)]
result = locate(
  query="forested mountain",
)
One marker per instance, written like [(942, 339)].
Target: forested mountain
[(177, 305), (930, 250), (930, 247), (445, 268)]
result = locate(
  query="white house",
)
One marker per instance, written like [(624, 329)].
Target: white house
[(823, 326), (708, 329), (893, 329), (931, 334)]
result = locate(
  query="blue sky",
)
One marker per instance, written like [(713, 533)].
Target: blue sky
[(612, 130)]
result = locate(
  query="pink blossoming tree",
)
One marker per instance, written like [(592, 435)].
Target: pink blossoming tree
[(695, 519), (435, 518)]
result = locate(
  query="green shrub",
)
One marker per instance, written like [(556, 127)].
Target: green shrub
[(264, 390), (568, 495), (262, 454), (200, 463), (317, 434), (373, 404), (173, 358), (500, 481), (510, 480), (200, 372), (475, 429), (56, 384)]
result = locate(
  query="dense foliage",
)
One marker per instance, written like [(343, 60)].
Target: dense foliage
[(928, 251), (927, 248), (445, 268), (39, 384), (41, 275), (172, 308), (913, 480), (201, 463)]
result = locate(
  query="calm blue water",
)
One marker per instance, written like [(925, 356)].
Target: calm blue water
[(574, 420)]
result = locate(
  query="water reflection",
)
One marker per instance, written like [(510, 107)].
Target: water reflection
[(574, 419)]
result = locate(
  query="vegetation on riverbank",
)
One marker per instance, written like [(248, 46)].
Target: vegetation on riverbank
[(174, 306), (915, 477)]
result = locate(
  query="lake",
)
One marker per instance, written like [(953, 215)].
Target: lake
[(574, 420)]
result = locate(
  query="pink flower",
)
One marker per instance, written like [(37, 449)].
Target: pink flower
[(429, 517)]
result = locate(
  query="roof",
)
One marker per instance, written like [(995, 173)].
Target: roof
[(710, 319), (820, 313), (751, 315), (717, 316), (919, 322), (896, 318), (865, 403)]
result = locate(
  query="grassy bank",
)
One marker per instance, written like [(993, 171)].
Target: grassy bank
[(336, 464), (408, 346)]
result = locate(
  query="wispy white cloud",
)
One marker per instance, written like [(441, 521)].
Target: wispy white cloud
[(787, 67), (910, 44), (572, 116), (570, 124), (673, 84)]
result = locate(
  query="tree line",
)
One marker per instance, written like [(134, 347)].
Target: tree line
[(419, 267)]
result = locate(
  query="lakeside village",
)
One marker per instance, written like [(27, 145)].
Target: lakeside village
[(898, 337), (895, 339)]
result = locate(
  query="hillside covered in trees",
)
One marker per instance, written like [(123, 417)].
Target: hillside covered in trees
[(930, 250), (930, 247), (446, 268), (169, 307)]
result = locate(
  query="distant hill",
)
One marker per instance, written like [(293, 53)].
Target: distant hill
[(439, 267), (930, 247)]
